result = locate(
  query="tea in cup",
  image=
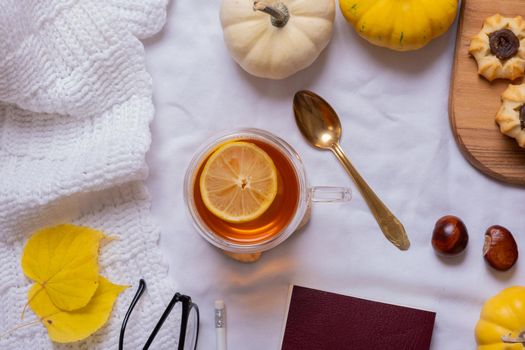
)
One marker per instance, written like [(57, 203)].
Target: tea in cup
[(247, 192)]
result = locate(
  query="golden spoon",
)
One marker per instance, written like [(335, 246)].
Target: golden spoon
[(321, 126)]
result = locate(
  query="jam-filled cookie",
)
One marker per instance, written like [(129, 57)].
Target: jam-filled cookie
[(499, 48), (511, 115)]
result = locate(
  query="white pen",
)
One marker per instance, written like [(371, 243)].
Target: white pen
[(220, 324)]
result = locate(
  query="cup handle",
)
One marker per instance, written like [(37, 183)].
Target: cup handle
[(328, 194)]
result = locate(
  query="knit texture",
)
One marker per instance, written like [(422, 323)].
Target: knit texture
[(76, 103)]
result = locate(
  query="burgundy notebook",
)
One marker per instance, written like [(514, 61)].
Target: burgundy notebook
[(320, 320)]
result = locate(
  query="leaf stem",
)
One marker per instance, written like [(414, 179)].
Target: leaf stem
[(23, 325), (107, 240), (29, 301)]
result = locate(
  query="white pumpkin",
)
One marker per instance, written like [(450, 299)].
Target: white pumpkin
[(276, 38)]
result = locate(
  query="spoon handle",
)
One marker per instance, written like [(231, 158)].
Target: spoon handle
[(389, 224)]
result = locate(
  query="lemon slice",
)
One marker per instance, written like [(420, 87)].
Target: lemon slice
[(238, 182)]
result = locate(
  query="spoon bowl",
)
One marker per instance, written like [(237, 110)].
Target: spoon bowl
[(320, 125), (316, 119)]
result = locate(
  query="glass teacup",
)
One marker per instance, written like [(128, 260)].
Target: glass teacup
[(288, 213)]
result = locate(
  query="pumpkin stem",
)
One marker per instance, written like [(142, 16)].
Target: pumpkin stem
[(520, 339), (279, 12)]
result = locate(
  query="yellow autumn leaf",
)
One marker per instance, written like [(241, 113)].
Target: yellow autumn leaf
[(70, 326), (63, 261)]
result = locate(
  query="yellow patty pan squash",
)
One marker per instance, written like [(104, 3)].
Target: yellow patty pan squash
[(401, 25), (502, 322)]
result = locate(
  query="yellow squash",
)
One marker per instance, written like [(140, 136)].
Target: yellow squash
[(401, 25), (502, 322)]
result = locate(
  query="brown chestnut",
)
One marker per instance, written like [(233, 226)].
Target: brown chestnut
[(450, 236), (500, 249)]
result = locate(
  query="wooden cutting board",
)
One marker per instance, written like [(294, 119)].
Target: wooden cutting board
[(474, 101)]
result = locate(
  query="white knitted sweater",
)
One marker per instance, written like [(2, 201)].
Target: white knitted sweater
[(75, 108)]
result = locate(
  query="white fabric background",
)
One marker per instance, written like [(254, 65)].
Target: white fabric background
[(393, 108)]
